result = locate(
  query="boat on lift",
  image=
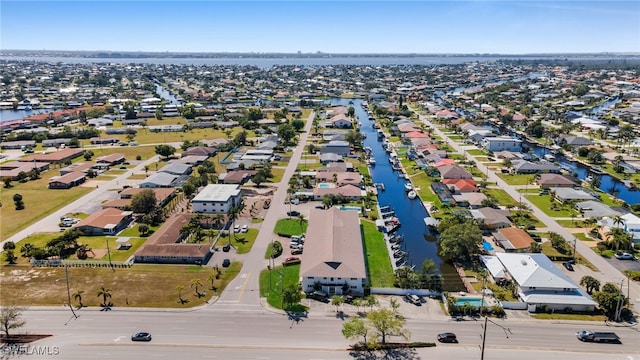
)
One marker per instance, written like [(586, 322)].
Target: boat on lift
[(408, 186), (412, 194)]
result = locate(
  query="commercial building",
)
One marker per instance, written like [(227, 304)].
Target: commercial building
[(217, 199)]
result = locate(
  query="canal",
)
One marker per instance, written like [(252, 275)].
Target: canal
[(419, 242)]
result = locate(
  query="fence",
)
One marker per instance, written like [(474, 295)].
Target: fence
[(78, 263), (514, 305), (402, 292)]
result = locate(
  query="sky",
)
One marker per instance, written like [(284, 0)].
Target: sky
[(423, 27)]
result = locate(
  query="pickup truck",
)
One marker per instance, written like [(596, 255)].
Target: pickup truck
[(590, 336)]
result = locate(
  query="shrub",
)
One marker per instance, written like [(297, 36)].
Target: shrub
[(138, 157)]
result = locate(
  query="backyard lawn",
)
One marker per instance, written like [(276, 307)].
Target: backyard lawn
[(517, 179), (379, 269), (543, 202), (423, 182), (501, 196)]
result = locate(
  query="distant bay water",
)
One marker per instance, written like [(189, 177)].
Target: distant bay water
[(267, 62)]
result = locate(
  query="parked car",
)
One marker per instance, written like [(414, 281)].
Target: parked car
[(297, 251), (226, 263), (447, 337), (141, 336), (625, 256), (319, 296), (292, 258), (244, 229), (236, 229), (295, 245), (293, 213), (568, 266)]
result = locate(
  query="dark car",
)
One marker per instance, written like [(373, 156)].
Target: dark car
[(447, 337), (226, 263), (296, 251), (568, 266), (293, 213), (141, 336), (319, 295)]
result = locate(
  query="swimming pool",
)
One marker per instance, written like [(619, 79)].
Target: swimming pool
[(487, 246), (324, 186), (358, 208), (472, 301)]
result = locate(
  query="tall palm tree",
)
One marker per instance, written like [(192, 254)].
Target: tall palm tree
[(195, 282), (618, 221), (234, 211), (218, 220), (105, 293), (212, 278), (78, 296), (301, 220)]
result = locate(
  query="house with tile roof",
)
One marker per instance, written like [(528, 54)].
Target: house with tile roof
[(547, 181), (109, 221), (513, 239), (334, 255), (453, 172)]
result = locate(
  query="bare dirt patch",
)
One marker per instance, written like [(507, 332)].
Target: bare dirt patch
[(93, 183)]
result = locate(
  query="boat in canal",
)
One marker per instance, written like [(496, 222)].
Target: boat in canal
[(597, 170), (408, 186), (412, 194)]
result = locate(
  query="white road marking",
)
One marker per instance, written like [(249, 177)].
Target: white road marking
[(119, 338), (243, 276)]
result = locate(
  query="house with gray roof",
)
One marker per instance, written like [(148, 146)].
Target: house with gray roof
[(454, 172), (568, 195), (595, 209), (528, 167), (177, 168), (159, 179), (336, 147)]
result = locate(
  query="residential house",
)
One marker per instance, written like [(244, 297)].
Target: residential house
[(471, 200), (236, 177), (592, 209), (341, 178), (110, 160), (217, 199), (458, 186), (513, 239), (340, 121), (328, 158), (200, 151), (547, 181), (177, 168), (528, 167), (453, 172), (630, 224), (501, 143), (568, 195), (67, 181), (166, 245), (492, 218), (542, 284), (350, 192), (160, 179), (12, 170), (108, 221), (336, 147), (334, 255), (57, 157)]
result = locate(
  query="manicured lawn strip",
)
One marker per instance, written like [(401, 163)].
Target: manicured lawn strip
[(454, 137), (130, 152), (525, 219), (278, 173), (272, 282), (410, 166), (33, 193), (579, 317), (475, 152), (583, 237), (243, 241), (501, 196), (516, 179), (543, 202), (379, 269), (140, 285), (290, 226), (572, 224)]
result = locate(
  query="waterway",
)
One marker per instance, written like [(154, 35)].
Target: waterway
[(419, 242), (8, 115), (164, 93)]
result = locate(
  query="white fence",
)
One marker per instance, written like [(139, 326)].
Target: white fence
[(80, 263), (514, 305)]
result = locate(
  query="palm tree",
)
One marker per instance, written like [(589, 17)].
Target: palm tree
[(195, 282), (301, 220), (105, 293), (180, 288), (212, 278), (218, 220), (78, 296), (617, 221), (234, 211)]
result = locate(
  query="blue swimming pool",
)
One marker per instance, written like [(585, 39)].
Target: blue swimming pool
[(324, 186), (358, 208), (487, 246), (471, 301)]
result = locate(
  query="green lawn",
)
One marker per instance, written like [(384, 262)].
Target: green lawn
[(379, 269), (272, 282), (476, 152), (501, 196), (543, 202), (292, 226), (516, 179), (423, 182), (243, 242), (572, 224), (33, 193)]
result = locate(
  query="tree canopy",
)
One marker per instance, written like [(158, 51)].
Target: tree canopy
[(143, 202), (165, 150), (461, 241)]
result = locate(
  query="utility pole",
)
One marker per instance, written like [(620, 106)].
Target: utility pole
[(575, 243), (506, 330), (66, 272), (109, 253)]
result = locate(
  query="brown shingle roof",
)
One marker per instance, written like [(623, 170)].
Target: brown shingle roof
[(517, 237)]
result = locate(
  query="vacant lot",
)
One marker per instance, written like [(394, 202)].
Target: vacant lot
[(140, 285), (379, 269), (272, 282), (33, 193)]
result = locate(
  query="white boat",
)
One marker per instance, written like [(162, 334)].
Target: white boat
[(412, 194), (408, 186), (372, 161), (550, 158)]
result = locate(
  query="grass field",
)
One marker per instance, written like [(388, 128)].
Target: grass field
[(33, 193), (130, 152), (379, 269), (272, 282), (501, 196), (543, 202), (423, 182), (292, 226), (243, 242), (140, 285), (476, 152), (516, 179)]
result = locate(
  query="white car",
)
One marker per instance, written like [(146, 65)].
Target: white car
[(625, 256), (245, 228), (295, 245), (236, 229)]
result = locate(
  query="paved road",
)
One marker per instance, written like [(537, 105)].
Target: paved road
[(607, 272), (87, 202), (213, 333), (243, 292)]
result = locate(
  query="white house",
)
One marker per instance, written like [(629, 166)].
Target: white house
[(336, 147), (501, 143), (333, 257), (217, 199), (630, 224), (542, 283)]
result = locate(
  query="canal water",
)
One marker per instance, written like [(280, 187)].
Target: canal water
[(419, 242)]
